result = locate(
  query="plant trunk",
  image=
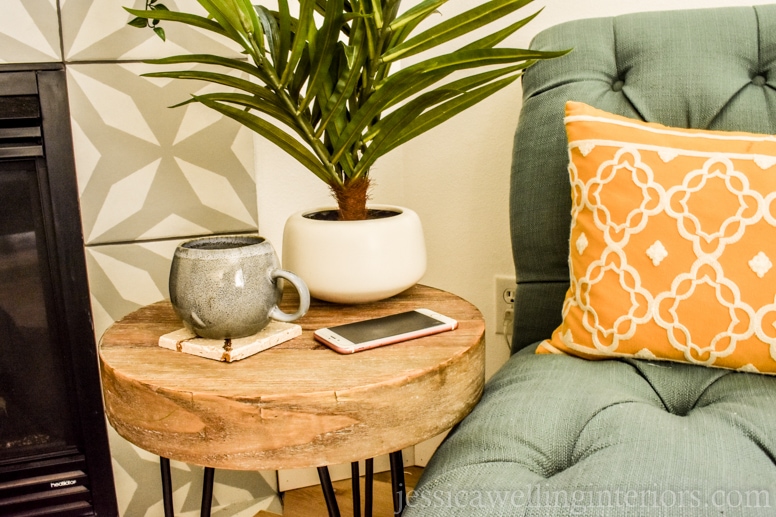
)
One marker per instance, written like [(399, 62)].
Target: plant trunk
[(351, 199)]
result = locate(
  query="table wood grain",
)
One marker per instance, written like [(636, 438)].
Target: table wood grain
[(298, 404)]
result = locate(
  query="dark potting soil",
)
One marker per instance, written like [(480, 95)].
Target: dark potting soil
[(333, 215)]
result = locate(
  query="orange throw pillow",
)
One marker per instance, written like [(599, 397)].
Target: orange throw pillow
[(672, 246)]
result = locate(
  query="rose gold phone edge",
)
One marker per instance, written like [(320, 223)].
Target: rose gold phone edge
[(449, 324)]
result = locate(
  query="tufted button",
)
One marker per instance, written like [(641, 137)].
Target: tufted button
[(617, 86), (758, 80)]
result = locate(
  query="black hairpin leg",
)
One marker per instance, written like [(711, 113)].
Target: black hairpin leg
[(397, 482), (355, 479), (207, 491), (368, 485), (164, 464), (328, 492)]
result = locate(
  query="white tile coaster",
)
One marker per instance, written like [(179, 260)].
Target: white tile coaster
[(183, 340)]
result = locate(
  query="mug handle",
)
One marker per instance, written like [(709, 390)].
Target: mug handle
[(301, 288)]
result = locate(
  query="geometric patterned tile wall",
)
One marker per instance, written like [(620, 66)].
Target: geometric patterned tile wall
[(29, 31), (125, 277), (146, 171)]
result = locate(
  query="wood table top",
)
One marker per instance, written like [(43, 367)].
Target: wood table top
[(298, 404)]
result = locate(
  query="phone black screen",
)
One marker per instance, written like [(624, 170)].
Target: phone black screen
[(392, 325)]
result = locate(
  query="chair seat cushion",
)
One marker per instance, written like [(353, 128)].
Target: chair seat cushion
[(559, 435)]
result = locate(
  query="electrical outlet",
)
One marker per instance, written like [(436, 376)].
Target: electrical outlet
[(505, 302)]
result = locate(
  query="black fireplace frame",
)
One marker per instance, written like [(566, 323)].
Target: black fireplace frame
[(61, 213)]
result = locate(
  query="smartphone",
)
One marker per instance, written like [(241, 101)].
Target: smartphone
[(362, 335)]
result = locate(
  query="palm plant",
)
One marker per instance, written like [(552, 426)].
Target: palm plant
[(320, 85)]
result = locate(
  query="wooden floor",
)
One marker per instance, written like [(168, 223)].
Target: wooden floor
[(309, 502)]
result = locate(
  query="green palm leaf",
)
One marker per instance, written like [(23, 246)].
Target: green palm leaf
[(284, 26), (497, 37), (306, 12), (275, 135), (402, 26), (454, 27), (326, 41), (420, 76), (446, 111), (175, 16), (443, 66), (271, 30), (209, 59), (464, 85), (225, 14), (416, 14), (216, 78), (390, 10), (347, 82), (269, 106), (393, 125)]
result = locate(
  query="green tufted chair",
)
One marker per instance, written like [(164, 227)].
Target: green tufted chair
[(560, 435)]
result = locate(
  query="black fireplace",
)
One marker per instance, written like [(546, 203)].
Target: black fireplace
[(54, 455)]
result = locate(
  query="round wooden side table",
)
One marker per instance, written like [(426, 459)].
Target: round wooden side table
[(298, 404)]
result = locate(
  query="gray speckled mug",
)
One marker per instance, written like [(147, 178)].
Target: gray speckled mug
[(226, 286)]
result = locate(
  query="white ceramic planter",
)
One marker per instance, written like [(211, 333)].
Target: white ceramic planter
[(356, 261)]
